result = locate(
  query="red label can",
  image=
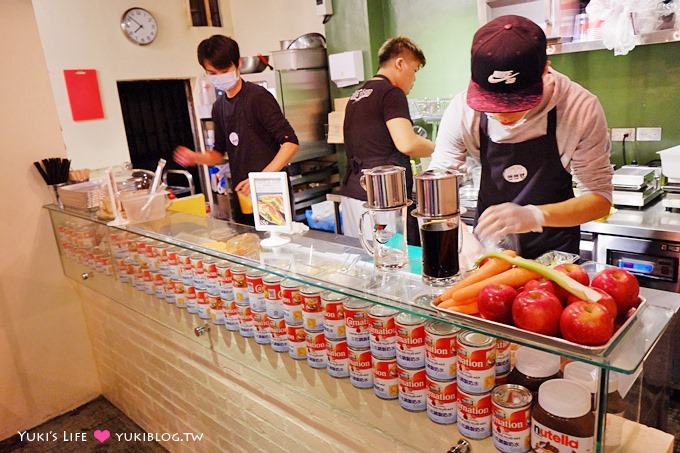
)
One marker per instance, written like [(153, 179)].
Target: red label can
[(337, 358), (316, 349), (356, 323), (412, 389), (311, 299), (476, 357), (360, 368), (385, 378), (410, 341), (511, 418), (441, 401), (297, 342), (383, 331), (474, 414)]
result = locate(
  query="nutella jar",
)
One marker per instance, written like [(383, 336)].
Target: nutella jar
[(562, 421), (587, 375), (533, 368)]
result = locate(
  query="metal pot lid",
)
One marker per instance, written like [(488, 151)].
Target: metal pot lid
[(437, 193)]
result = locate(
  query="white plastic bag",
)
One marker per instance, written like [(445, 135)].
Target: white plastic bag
[(617, 27)]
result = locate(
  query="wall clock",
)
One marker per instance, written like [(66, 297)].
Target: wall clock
[(139, 26)]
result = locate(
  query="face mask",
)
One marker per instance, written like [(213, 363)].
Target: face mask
[(511, 126), (224, 82)]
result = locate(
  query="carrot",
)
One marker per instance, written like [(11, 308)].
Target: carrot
[(448, 303), (490, 267), (468, 309), (515, 277)]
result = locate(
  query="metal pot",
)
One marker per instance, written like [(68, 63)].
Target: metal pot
[(251, 65), (437, 193), (385, 186), (308, 41)]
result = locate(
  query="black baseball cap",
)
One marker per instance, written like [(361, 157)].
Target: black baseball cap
[(508, 60)]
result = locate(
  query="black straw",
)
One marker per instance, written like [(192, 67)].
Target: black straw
[(54, 170)]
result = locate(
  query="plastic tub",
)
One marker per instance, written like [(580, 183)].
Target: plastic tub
[(137, 209), (670, 162)]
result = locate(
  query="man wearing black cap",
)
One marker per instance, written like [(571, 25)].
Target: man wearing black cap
[(532, 129)]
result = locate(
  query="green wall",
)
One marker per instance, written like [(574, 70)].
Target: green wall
[(641, 89)]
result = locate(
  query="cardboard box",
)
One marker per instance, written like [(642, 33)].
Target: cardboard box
[(339, 104), (335, 123)]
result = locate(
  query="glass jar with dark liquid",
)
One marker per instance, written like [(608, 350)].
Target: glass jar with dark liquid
[(439, 240)]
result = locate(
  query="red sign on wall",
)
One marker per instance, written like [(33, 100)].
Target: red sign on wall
[(83, 94)]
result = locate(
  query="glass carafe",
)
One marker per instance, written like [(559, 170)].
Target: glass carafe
[(388, 245)]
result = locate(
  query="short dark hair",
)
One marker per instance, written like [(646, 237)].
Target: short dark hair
[(220, 51), (394, 47)]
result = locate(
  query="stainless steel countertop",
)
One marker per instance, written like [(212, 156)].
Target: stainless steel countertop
[(652, 222)]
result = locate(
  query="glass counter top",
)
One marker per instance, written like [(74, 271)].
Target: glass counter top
[(339, 264)]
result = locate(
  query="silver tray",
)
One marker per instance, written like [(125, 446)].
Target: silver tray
[(510, 332)]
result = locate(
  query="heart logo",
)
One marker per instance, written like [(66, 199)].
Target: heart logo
[(102, 435)]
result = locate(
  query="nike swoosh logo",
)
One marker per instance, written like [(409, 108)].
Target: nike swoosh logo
[(507, 78)]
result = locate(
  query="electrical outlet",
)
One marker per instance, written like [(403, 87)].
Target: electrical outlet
[(648, 134), (619, 132)]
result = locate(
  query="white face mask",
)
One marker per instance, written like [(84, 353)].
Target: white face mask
[(224, 82)]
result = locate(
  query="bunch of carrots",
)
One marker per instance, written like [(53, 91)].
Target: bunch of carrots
[(462, 296)]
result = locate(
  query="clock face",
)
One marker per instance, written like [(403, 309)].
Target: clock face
[(139, 26)]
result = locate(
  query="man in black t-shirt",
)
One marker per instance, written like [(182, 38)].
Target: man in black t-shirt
[(249, 125), (378, 129)]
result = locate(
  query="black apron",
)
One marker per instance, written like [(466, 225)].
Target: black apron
[(546, 181)]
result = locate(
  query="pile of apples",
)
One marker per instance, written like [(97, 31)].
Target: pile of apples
[(541, 306)]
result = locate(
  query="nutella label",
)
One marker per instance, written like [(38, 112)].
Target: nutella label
[(544, 440)]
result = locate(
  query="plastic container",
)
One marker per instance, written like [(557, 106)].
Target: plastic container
[(670, 162), (137, 209)]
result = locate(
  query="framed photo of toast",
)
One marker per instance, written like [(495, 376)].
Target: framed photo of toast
[(272, 209)]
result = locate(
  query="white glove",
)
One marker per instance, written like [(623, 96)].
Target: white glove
[(509, 218)]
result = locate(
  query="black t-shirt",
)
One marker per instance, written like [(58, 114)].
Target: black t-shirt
[(368, 142), (250, 128)]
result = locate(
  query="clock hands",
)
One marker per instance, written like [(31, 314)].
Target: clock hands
[(140, 26)]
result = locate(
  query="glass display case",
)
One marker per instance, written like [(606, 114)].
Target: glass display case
[(102, 258)]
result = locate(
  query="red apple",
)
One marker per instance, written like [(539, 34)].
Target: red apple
[(586, 323), (621, 285), (548, 285), (575, 271), (606, 300), (537, 310), (495, 302)]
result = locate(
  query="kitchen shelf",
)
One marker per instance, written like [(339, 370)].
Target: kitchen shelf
[(657, 37), (320, 260)]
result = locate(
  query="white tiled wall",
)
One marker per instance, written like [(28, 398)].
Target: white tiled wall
[(244, 398)]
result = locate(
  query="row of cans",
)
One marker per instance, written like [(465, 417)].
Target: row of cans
[(428, 366)]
